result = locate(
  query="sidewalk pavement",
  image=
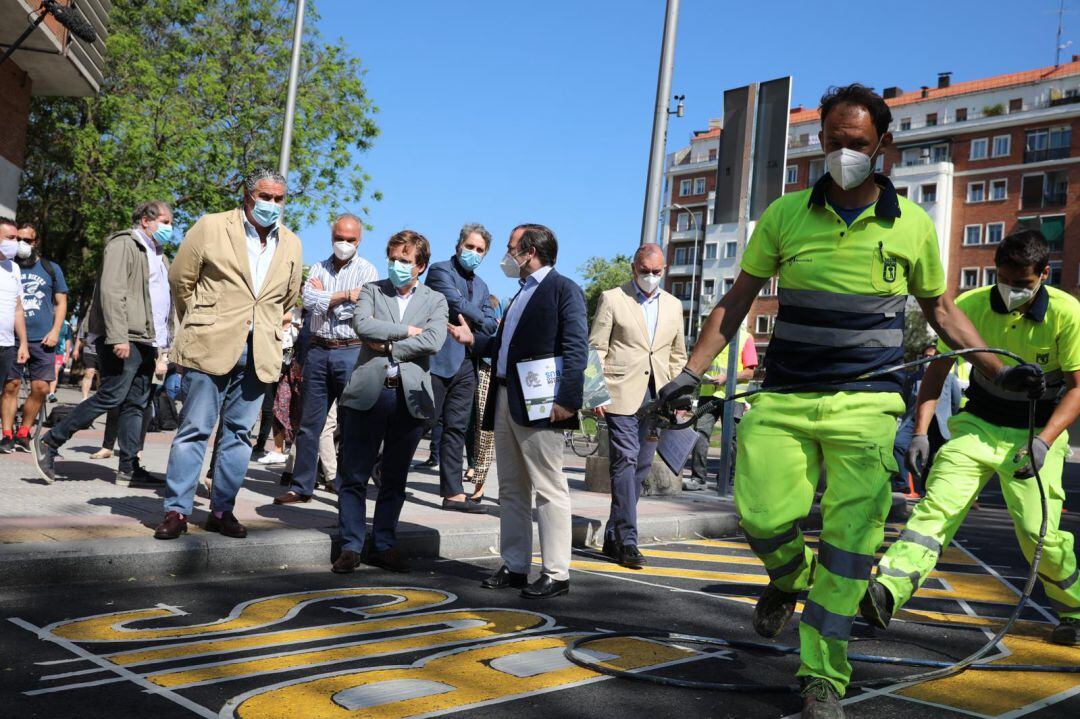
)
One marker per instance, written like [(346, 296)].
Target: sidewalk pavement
[(84, 527)]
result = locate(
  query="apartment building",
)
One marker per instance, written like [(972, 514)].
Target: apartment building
[(982, 157)]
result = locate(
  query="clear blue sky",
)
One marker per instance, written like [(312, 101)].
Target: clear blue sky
[(505, 112)]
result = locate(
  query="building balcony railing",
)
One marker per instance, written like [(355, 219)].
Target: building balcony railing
[(1046, 153), (1053, 199)]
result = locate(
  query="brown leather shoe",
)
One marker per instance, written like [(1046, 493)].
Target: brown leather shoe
[(227, 525), (346, 563), (389, 559), (292, 497), (171, 527)]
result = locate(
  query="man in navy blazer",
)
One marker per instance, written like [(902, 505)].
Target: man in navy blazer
[(453, 369), (546, 318)]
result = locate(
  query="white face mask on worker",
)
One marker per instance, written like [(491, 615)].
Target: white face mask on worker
[(850, 168), (1016, 296)]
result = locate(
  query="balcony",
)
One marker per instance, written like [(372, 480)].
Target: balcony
[(1046, 153), (1054, 199), (685, 235)]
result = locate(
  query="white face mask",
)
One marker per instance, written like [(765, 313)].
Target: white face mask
[(344, 251), (648, 283), (1016, 296), (850, 168), (25, 249), (9, 249), (509, 266)]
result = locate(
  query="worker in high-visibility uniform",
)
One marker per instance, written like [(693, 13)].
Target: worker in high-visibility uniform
[(848, 252), (715, 383), (990, 436)]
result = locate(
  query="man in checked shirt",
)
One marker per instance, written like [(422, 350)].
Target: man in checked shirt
[(330, 292)]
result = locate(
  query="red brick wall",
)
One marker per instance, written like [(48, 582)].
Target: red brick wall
[(14, 112), (1008, 210)]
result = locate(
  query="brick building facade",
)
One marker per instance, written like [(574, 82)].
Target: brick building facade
[(982, 158)]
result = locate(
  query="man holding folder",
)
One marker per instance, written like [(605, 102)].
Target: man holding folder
[(638, 335), (544, 329)]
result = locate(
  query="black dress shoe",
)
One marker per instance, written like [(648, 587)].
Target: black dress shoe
[(505, 579), (545, 588), (225, 525), (462, 505), (346, 563), (388, 559), (610, 549), (631, 557)]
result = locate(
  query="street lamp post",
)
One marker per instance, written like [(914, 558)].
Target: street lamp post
[(290, 97), (693, 272), (655, 177)]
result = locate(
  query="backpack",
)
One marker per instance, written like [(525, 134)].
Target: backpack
[(166, 418)]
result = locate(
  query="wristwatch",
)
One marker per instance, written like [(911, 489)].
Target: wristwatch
[(389, 349)]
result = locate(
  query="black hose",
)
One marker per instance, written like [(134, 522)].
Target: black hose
[(939, 669)]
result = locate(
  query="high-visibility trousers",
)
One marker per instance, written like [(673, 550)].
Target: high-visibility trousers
[(783, 442), (977, 451)]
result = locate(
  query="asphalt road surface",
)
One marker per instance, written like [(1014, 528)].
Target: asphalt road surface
[(306, 643)]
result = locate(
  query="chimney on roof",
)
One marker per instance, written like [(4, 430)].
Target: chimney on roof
[(891, 92), (1076, 58), (943, 79), (716, 123), (925, 91), (797, 108)]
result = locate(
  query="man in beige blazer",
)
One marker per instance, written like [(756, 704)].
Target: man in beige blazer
[(235, 276), (638, 333)]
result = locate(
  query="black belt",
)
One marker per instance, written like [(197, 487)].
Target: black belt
[(334, 344), (392, 382)]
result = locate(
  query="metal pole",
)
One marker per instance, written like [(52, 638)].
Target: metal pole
[(655, 179), (693, 277), (727, 428), (290, 97)]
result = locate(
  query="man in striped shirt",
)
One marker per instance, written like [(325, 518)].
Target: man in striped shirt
[(330, 294)]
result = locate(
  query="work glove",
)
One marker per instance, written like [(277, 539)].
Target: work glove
[(1028, 378), (1035, 462), (918, 452), (677, 394)]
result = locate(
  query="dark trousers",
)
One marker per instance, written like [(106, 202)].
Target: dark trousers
[(326, 372), (453, 405), (266, 415), (125, 383), (7, 359), (705, 426), (389, 424), (112, 422), (630, 453)]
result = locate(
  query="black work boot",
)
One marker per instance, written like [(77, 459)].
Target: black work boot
[(1067, 633), (820, 699), (774, 609), (876, 606)]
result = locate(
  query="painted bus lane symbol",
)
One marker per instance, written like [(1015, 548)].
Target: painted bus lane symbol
[(468, 656)]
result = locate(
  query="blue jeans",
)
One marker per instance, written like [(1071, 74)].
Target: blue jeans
[(630, 454), (387, 423), (125, 386), (326, 372), (236, 397)]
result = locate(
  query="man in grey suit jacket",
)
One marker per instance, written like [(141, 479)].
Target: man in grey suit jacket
[(388, 399)]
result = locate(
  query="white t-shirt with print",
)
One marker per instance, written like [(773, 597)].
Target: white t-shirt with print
[(10, 290)]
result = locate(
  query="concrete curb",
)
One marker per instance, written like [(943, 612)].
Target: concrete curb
[(204, 554)]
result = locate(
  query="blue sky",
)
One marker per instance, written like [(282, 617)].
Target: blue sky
[(509, 112)]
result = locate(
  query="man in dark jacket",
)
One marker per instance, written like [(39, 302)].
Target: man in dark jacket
[(539, 354), (453, 369)]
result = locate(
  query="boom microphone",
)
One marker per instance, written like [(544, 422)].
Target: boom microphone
[(70, 19)]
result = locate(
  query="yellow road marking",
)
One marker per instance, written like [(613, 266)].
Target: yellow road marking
[(495, 622), (260, 613), (455, 680)]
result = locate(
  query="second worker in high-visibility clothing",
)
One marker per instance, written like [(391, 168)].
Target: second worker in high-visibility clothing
[(990, 436), (848, 252)]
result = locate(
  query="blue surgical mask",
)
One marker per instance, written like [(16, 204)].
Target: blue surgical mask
[(470, 259), (163, 234), (400, 273), (266, 213)]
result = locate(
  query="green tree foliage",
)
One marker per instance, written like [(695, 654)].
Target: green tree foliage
[(602, 274), (193, 98)]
